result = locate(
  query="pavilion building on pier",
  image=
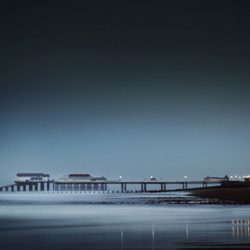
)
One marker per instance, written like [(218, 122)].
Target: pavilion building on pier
[(80, 182)]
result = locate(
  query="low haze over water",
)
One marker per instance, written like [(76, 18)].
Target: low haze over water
[(66, 221)]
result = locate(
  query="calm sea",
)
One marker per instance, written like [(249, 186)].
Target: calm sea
[(117, 221)]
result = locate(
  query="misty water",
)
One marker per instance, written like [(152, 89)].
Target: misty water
[(117, 221)]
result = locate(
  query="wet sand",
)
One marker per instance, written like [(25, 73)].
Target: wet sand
[(237, 195)]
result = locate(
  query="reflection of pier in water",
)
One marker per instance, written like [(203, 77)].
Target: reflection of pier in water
[(241, 229), (153, 238), (152, 233)]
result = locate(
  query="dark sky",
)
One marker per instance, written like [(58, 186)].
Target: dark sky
[(131, 88)]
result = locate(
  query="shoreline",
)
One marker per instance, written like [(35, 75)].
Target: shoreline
[(205, 196), (235, 195)]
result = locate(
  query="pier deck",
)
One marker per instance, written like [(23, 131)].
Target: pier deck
[(105, 185)]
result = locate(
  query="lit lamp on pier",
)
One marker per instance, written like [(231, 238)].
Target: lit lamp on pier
[(247, 178)]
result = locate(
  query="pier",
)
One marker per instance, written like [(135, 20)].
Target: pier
[(106, 186), (40, 182)]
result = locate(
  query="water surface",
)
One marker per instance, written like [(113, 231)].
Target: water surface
[(68, 221)]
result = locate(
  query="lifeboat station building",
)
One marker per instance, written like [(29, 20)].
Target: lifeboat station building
[(33, 182)]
